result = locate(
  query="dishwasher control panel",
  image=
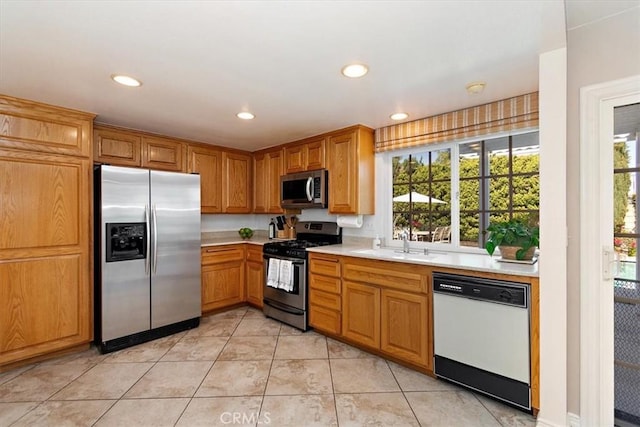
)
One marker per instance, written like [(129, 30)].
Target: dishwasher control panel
[(497, 291)]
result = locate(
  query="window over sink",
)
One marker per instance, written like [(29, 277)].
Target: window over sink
[(449, 193)]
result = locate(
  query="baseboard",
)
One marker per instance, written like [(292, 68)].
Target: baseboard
[(573, 420)]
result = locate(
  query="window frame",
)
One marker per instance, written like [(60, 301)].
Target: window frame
[(454, 147)]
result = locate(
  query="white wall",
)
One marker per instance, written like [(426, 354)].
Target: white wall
[(233, 222), (553, 238), (602, 51)]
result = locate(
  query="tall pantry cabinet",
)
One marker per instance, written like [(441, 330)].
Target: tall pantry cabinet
[(45, 229)]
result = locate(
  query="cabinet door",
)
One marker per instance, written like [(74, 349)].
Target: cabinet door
[(117, 148), (255, 279), (343, 174), (315, 154), (206, 163), (260, 183), (361, 313), (163, 154), (274, 171), (405, 324), (45, 283), (236, 183), (295, 158), (32, 126), (222, 285)]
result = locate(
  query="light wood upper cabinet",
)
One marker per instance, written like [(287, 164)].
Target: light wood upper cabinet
[(315, 153), (45, 217), (33, 126), (267, 169), (295, 158), (125, 147), (236, 189), (207, 162), (117, 147), (163, 154), (350, 161), (305, 155)]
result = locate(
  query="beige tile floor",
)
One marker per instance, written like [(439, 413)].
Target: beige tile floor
[(239, 368)]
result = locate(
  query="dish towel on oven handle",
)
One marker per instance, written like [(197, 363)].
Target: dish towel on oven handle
[(286, 275), (273, 273)]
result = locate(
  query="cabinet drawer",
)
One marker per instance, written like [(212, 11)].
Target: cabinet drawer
[(324, 283), (219, 254), (324, 264), (254, 254), (325, 299), (388, 274), (325, 319)]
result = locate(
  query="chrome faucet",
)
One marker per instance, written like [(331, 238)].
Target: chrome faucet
[(405, 242)]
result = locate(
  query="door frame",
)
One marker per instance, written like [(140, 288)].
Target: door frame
[(596, 213)]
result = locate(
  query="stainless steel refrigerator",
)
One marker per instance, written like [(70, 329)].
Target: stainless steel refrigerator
[(147, 255)]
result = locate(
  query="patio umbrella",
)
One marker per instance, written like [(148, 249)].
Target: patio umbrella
[(416, 198)]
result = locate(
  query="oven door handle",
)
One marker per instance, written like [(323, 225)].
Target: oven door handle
[(293, 260), (283, 307)]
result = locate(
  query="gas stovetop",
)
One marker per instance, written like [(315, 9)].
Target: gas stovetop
[(310, 234)]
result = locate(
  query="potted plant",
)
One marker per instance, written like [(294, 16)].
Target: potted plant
[(515, 239)]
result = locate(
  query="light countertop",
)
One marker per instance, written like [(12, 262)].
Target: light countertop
[(219, 241), (458, 260)]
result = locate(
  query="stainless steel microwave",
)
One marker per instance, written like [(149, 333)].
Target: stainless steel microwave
[(304, 190)]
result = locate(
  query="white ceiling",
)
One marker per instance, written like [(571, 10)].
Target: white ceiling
[(203, 61)]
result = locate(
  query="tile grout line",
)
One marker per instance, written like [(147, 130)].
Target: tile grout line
[(403, 394), (210, 368)]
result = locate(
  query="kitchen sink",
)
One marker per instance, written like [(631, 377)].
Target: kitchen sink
[(397, 254)]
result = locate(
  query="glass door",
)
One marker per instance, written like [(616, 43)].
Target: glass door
[(626, 232)]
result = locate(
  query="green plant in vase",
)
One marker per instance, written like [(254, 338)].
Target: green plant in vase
[(515, 239)]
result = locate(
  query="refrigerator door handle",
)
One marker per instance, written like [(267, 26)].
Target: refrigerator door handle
[(155, 239), (147, 261)]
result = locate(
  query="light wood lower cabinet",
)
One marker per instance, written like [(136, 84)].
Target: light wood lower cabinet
[(325, 289), (361, 313), (404, 322), (386, 306), (255, 275), (223, 276)]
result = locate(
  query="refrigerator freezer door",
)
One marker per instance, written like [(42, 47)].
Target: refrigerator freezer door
[(124, 291), (175, 269)]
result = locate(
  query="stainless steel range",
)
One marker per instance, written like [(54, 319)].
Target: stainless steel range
[(285, 271)]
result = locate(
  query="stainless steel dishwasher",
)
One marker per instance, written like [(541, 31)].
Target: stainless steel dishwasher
[(481, 336)]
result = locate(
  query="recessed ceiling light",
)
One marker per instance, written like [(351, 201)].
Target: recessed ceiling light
[(475, 87), (354, 70), (245, 115), (398, 116), (126, 80)]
